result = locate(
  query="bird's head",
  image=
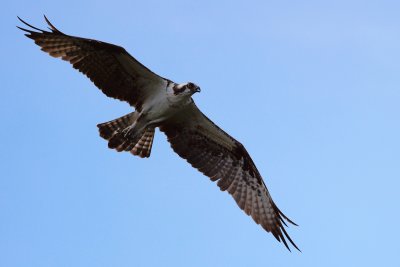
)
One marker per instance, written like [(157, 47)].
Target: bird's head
[(186, 89)]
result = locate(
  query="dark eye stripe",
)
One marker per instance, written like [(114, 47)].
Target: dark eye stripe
[(179, 90)]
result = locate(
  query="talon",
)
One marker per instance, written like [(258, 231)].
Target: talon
[(127, 132)]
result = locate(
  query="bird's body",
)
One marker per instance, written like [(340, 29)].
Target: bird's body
[(166, 103), (159, 102)]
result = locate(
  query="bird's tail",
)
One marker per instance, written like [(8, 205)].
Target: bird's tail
[(138, 144)]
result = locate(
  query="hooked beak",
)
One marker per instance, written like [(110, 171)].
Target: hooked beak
[(197, 90)]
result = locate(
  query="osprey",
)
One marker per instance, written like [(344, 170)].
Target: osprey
[(162, 103)]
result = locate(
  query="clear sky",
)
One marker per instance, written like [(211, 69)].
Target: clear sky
[(311, 88)]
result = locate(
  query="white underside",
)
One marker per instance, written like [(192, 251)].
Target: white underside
[(163, 105)]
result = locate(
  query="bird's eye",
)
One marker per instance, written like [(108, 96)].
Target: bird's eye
[(190, 85)]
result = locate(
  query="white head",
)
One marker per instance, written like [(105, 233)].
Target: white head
[(186, 89)]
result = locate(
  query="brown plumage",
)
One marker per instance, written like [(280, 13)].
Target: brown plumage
[(103, 63), (219, 156), (113, 132), (162, 103), (143, 146)]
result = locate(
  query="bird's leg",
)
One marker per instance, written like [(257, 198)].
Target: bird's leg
[(135, 130)]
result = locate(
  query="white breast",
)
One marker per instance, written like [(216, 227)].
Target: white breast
[(163, 105)]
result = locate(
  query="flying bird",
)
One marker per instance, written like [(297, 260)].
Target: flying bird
[(160, 102)]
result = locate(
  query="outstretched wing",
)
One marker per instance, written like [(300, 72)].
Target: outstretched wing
[(108, 66), (220, 157)]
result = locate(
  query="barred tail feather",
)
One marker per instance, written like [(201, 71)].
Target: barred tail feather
[(108, 129), (143, 147), (113, 132)]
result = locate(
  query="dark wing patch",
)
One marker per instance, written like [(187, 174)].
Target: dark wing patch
[(223, 159), (108, 66)]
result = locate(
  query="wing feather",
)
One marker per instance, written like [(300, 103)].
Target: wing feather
[(110, 67), (219, 156)]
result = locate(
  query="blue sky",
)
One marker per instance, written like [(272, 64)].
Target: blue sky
[(311, 89)]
